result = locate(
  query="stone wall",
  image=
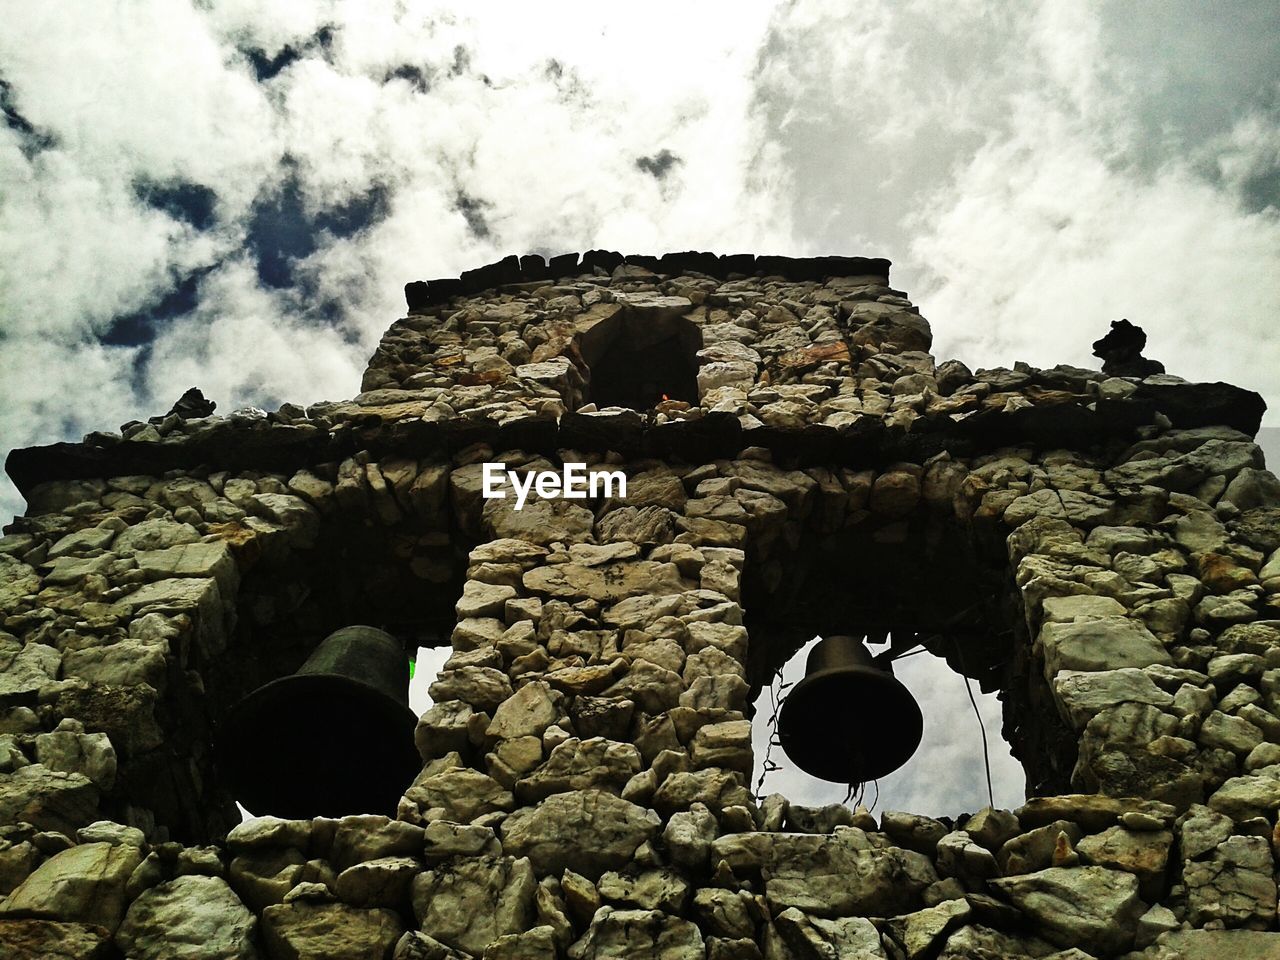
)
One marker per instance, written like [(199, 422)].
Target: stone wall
[(1101, 550)]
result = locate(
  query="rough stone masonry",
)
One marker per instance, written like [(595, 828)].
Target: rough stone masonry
[(1103, 550)]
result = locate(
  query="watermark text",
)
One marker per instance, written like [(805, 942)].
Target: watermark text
[(574, 482)]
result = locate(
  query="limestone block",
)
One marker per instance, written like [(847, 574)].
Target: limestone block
[(624, 934), (155, 534), (268, 833), (725, 913), (122, 663), (484, 688), (372, 836), (661, 889), (192, 560), (443, 841), (189, 917), (815, 937), (264, 877), (528, 712), (72, 751), (1093, 908), (1102, 644), (608, 583), (1081, 695), (588, 831), (48, 799), (576, 764), (913, 831), (469, 903), (1241, 798), (459, 794), (83, 884), (1145, 854), (920, 932), (24, 669), (540, 522), (301, 930), (1235, 884), (380, 882), (53, 940)]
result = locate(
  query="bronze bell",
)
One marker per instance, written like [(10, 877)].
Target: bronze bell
[(849, 720), (334, 738)]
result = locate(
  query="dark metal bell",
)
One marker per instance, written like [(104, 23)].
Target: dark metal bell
[(334, 738), (849, 720)]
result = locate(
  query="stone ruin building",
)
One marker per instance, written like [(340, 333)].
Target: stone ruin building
[(1103, 549)]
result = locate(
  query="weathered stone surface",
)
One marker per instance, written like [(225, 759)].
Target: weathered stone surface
[(1101, 644), (536, 944), (70, 750), (913, 831), (470, 903), (1243, 797), (608, 583), (54, 940), (1200, 831), (979, 942), (264, 877), (380, 882), (688, 835), (920, 932), (647, 526), (576, 764), (959, 856), (1089, 907), (528, 712), (725, 913), (329, 931), (268, 833), (715, 788), (25, 669), (155, 534), (1214, 945), (1035, 849), (1090, 811), (370, 836), (541, 522), (122, 663), (638, 935), (648, 890), (459, 794), (1235, 884), (1145, 854), (828, 876), (587, 831), (1082, 695), (84, 884), (818, 938), (485, 688), (189, 917)]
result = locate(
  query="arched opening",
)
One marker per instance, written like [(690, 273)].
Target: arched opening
[(943, 606), (639, 357)]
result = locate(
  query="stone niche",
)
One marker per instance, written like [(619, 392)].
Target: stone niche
[(643, 353), (1101, 550)]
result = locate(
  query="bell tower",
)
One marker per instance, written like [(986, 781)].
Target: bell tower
[(209, 608)]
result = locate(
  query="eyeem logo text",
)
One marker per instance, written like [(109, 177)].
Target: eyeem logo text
[(575, 483)]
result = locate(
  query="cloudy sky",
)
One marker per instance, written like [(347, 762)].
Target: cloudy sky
[(232, 194)]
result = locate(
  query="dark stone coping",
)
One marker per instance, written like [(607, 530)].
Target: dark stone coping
[(532, 267), (284, 448)]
